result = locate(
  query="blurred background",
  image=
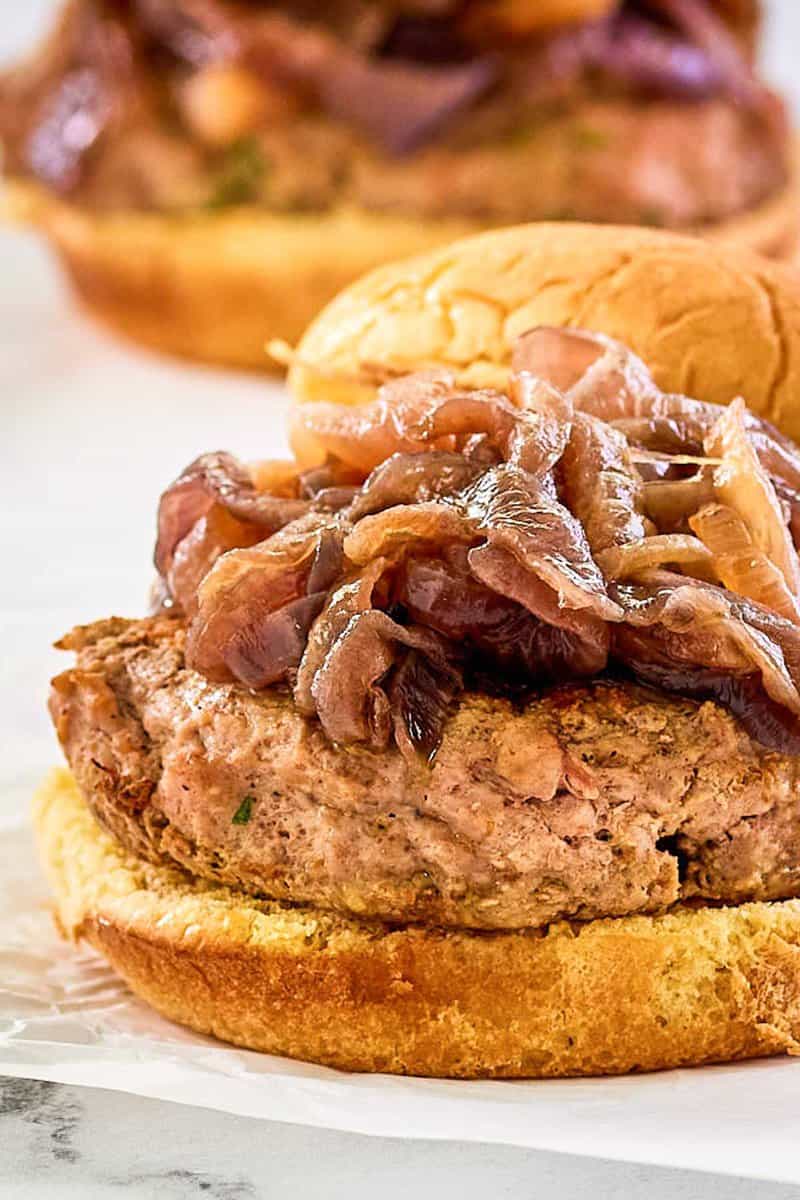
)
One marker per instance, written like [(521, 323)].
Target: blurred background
[(22, 23)]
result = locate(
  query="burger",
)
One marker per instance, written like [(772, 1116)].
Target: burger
[(466, 742), (214, 171)]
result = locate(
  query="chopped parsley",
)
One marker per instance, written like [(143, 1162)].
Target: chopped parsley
[(584, 137), (561, 214), (242, 171), (527, 129), (244, 812)]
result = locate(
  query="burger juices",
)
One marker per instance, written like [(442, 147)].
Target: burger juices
[(646, 111), (474, 659)]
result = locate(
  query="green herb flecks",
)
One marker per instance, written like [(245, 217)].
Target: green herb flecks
[(244, 812), (585, 137), (652, 216), (560, 214), (243, 170), (525, 132)]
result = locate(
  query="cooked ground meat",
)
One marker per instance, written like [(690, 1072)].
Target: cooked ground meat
[(588, 801), (599, 160), (117, 113)]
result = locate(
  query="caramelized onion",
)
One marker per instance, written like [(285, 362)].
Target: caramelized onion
[(518, 539), (517, 513), (669, 503), (212, 536), (738, 562), (481, 600), (198, 31), (398, 530), (421, 695), (532, 435), (602, 487), (241, 593), (217, 479), (351, 704), (566, 643), (351, 597), (365, 435), (691, 623), (270, 645), (768, 723), (742, 483), (661, 550), (413, 479), (398, 104), (707, 30), (601, 376)]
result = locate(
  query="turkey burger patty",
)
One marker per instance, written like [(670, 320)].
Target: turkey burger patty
[(596, 800)]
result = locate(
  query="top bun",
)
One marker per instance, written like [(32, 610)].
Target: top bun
[(711, 322)]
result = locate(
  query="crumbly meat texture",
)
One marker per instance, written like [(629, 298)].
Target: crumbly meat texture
[(591, 801), (656, 163)]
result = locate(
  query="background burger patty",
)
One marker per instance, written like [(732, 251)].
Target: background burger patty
[(590, 801), (179, 122)]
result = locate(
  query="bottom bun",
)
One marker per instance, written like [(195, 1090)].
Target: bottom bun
[(217, 287), (607, 997)]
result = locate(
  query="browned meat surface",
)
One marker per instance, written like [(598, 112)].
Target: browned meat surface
[(178, 105), (588, 801), (655, 163), (439, 537)]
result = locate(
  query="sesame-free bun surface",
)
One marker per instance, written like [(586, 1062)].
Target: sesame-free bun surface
[(218, 286), (710, 321), (611, 996)]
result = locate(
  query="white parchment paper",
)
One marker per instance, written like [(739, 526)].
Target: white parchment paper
[(65, 1017)]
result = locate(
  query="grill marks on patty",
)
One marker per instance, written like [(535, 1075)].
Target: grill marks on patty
[(590, 801)]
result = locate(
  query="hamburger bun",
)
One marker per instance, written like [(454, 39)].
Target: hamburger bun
[(704, 982), (217, 286), (640, 993), (710, 321)]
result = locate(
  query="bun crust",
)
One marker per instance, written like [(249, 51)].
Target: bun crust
[(642, 993), (711, 321), (217, 287)]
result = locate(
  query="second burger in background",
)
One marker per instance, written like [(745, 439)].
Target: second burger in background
[(213, 172)]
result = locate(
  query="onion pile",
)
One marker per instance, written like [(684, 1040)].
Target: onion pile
[(439, 537)]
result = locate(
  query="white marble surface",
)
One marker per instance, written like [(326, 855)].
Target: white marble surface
[(93, 1145), (77, 414)]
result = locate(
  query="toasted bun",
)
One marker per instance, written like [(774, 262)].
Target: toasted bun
[(640, 993), (711, 321), (217, 287)]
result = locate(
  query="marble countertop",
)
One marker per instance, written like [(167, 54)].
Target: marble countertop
[(90, 1144), (83, 1144)]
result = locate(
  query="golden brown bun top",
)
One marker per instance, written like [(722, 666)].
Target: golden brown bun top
[(712, 322)]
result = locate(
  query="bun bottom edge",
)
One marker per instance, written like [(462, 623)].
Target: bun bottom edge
[(217, 287), (694, 986)]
